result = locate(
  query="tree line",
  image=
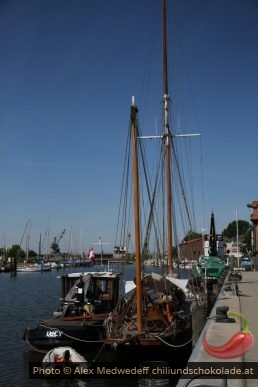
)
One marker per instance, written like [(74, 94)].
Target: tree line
[(240, 227)]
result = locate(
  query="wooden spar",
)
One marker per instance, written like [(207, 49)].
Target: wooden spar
[(167, 138), (134, 128)]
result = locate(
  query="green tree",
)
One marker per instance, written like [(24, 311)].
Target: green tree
[(231, 230), (246, 242), (32, 254), (244, 233), (16, 251), (191, 235)]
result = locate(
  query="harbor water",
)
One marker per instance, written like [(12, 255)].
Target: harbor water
[(26, 299)]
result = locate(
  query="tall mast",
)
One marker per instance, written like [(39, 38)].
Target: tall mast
[(237, 239), (167, 139), (134, 128), (212, 240)]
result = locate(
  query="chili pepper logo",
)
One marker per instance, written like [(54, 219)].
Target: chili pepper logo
[(239, 344)]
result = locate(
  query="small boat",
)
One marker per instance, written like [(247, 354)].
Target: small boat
[(37, 267), (28, 269), (209, 268), (63, 356), (86, 300)]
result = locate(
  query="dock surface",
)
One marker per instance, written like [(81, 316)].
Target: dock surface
[(244, 301), (248, 296)]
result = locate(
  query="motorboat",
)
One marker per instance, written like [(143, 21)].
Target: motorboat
[(86, 300)]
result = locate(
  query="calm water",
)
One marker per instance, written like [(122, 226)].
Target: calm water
[(25, 300)]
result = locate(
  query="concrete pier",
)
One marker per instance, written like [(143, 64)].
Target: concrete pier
[(240, 297), (248, 297)]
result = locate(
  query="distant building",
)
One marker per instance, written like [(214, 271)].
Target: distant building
[(191, 250), (234, 248), (254, 220)]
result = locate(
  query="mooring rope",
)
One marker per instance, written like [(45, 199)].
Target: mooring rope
[(71, 337)]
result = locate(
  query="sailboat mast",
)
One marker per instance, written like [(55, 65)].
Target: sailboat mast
[(40, 246), (134, 128), (167, 139)]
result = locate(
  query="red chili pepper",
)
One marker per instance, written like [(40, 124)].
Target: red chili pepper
[(239, 344)]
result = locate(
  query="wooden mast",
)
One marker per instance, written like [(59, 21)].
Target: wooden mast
[(167, 139), (134, 128)]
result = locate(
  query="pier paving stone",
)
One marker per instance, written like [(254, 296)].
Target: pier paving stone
[(245, 302), (248, 296)]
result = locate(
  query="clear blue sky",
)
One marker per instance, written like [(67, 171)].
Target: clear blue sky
[(68, 69)]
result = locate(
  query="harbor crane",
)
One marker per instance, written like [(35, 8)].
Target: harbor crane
[(55, 243)]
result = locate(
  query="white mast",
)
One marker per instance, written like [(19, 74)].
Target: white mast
[(237, 242)]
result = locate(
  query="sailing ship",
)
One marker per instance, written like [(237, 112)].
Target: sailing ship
[(157, 314), (29, 267), (155, 310)]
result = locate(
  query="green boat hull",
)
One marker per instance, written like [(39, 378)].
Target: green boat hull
[(209, 267)]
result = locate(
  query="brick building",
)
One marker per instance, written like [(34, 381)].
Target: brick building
[(191, 250)]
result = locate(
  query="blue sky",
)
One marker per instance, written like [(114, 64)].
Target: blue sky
[(68, 70)]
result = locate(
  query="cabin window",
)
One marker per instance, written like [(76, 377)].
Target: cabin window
[(105, 286)]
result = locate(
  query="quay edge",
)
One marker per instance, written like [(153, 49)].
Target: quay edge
[(242, 298)]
